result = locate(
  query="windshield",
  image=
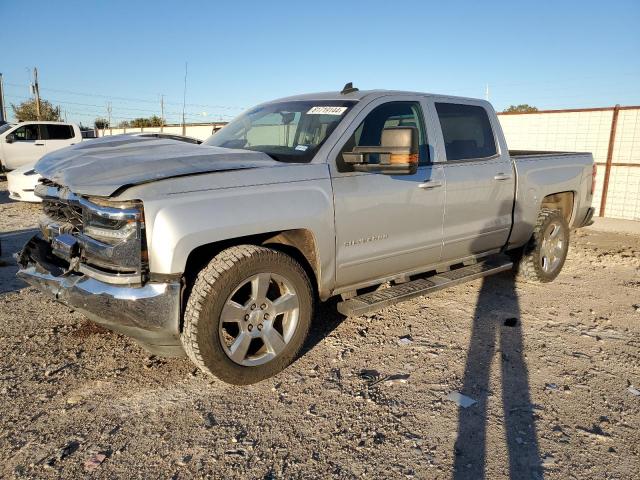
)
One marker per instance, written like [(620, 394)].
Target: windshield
[(286, 131), (5, 127)]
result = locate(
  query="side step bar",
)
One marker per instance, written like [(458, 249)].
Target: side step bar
[(372, 301)]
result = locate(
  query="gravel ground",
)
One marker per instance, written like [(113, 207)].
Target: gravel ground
[(552, 369)]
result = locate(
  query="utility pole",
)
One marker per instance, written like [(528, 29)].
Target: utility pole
[(3, 111), (486, 93), (161, 112), (184, 99), (109, 118), (36, 91)]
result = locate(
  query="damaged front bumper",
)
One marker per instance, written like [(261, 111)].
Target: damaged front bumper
[(150, 313)]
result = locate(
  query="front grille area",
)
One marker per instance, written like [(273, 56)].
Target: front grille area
[(68, 217)]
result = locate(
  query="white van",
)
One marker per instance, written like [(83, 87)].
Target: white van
[(24, 143)]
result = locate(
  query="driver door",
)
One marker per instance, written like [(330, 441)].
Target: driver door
[(386, 225)]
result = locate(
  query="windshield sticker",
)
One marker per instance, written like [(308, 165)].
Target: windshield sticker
[(326, 110), (302, 148)]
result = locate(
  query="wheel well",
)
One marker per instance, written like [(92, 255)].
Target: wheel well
[(299, 244), (563, 202)]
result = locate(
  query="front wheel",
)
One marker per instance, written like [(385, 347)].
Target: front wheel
[(248, 314), (544, 256)]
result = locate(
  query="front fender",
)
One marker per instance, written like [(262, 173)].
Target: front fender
[(182, 223)]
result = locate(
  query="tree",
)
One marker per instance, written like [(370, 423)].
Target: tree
[(522, 108), (27, 111), (124, 124), (101, 123), (153, 121)]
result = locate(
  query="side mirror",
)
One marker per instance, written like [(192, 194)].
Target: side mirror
[(10, 138), (397, 153)]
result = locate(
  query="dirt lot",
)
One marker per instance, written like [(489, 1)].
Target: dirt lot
[(554, 391)]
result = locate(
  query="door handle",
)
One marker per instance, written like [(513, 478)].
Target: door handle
[(430, 184), (502, 176), (39, 144)]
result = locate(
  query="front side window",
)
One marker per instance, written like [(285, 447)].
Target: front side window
[(286, 131), (59, 132), (392, 114), (466, 131), (26, 133)]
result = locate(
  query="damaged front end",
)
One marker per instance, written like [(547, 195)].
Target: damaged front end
[(91, 255)]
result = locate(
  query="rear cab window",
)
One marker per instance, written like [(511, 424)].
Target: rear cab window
[(58, 132), (466, 131)]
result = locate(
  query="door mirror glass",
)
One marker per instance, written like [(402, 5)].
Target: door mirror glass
[(396, 155), (10, 138)]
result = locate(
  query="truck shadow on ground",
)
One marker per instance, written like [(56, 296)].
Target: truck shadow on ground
[(4, 194), (497, 329), (326, 320), (10, 243)]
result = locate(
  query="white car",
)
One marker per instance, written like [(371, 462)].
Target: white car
[(21, 182), (24, 143)]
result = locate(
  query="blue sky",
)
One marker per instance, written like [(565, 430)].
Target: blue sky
[(552, 54)]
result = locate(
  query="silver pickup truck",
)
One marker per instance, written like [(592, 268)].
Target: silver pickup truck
[(219, 251)]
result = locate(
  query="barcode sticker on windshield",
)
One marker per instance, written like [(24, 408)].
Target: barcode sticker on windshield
[(326, 110)]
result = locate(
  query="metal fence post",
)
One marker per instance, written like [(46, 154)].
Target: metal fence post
[(607, 168)]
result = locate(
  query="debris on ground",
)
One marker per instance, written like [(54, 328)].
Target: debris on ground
[(633, 391), (461, 400), (396, 379), (511, 322), (405, 340), (94, 461)]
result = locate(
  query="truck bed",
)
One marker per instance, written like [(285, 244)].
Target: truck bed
[(541, 173)]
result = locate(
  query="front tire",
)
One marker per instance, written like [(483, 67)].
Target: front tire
[(544, 256), (248, 314)]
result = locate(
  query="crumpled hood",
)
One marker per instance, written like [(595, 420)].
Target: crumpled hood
[(102, 166)]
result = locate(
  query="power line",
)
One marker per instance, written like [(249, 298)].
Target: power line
[(121, 109), (128, 99)]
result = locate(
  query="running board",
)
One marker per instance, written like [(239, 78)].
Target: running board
[(372, 301)]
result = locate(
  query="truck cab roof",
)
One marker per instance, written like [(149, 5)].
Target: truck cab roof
[(358, 95)]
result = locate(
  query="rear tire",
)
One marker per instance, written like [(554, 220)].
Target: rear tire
[(543, 257), (248, 314)]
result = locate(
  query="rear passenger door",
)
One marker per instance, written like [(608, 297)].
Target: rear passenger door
[(480, 182), (58, 136)]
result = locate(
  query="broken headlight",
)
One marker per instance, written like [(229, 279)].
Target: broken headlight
[(112, 236), (112, 223)]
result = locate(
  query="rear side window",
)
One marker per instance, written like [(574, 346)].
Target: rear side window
[(59, 132), (466, 131)]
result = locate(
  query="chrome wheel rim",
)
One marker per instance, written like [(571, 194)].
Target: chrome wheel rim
[(259, 319), (552, 248)]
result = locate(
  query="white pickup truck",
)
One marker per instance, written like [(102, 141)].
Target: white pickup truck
[(23, 144), (220, 251), (26, 142)]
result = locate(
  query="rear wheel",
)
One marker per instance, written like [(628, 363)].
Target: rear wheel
[(544, 256), (248, 314)]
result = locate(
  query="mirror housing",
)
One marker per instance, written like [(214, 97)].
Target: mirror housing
[(10, 138), (398, 153)]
